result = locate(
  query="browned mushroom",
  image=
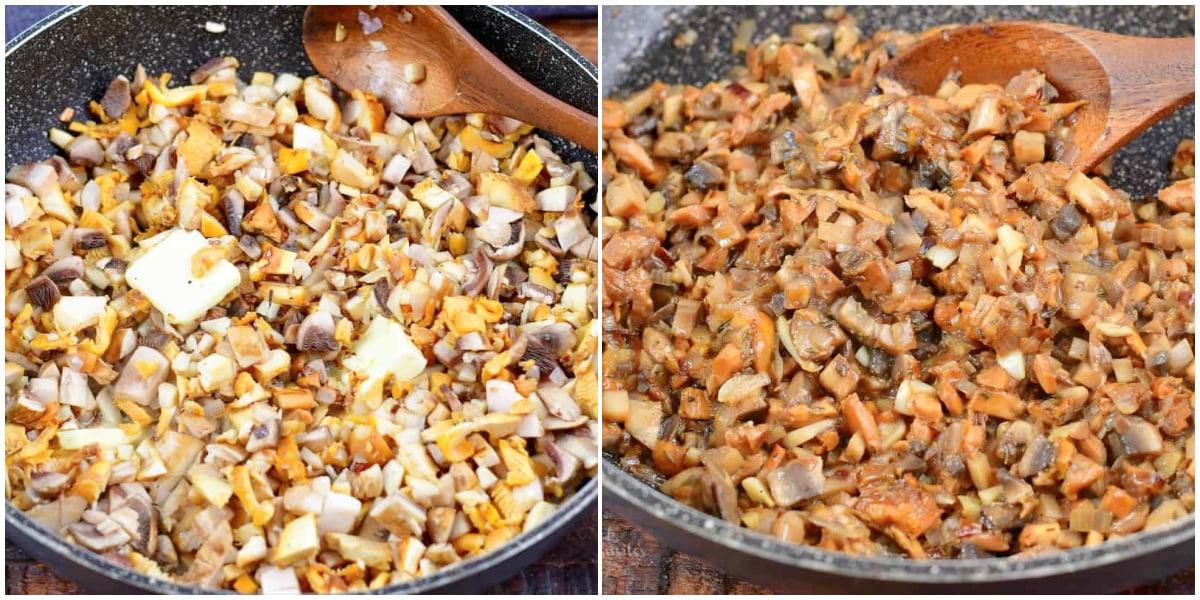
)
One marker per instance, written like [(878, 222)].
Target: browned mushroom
[(212, 67), (799, 479)]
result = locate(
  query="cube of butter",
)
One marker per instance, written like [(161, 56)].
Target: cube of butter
[(164, 276)]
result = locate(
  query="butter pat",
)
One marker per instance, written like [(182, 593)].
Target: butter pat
[(164, 276), (383, 350)]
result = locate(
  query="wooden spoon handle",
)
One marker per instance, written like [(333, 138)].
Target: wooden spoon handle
[(1149, 78), (512, 96), (487, 84)]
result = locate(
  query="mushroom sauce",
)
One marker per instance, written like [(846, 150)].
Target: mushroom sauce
[(265, 336), (852, 317)]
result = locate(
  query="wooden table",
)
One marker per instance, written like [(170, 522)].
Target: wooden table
[(571, 568), (635, 563)]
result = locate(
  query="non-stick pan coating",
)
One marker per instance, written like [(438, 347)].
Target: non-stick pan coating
[(69, 59), (638, 49)]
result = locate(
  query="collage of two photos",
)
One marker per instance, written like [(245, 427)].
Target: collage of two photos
[(584, 300)]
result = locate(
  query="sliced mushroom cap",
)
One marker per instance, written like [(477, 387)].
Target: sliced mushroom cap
[(49, 484), (92, 537), (136, 516), (511, 248), (435, 225), (479, 271), (117, 98), (233, 207), (316, 333), (85, 151), (559, 402), (571, 231), (90, 239), (64, 270), (1018, 437), (210, 68), (566, 464), (800, 479), (718, 492)]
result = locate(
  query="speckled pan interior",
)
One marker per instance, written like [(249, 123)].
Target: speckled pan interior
[(637, 49), (70, 58)]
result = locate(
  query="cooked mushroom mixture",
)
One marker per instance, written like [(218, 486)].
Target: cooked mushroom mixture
[(853, 317), (266, 337)]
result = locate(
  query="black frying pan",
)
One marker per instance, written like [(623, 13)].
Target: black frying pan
[(637, 49), (69, 58)]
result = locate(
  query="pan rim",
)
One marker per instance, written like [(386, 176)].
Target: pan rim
[(569, 513), (667, 513)]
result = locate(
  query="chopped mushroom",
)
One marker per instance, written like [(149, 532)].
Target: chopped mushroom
[(877, 320), (266, 336)]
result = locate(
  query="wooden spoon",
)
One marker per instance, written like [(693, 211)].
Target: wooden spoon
[(459, 74), (1130, 83)]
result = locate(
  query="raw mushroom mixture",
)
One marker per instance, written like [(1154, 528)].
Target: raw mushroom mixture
[(266, 337), (884, 323)]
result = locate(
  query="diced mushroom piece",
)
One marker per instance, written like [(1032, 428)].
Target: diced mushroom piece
[(85, 151), (212, 67), (511, 247), (99, 538), (43, 292), (1138, 437), (645, 419), (556, 199), (216, 551), (117, 98), (339, 514), (65, 269), (566, 465), (145, 369), (316, 333), (178, 451), (137, 517), (839, 377), (800, 479), (987, 116)]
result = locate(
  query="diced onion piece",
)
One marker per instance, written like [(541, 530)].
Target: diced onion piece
[(941, 256), (1013, 363)]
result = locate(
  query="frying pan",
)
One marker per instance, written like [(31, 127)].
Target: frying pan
[(71, 56), (637, 49)]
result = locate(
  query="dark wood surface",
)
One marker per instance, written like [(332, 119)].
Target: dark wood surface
[(571, 568), (635, 563)]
